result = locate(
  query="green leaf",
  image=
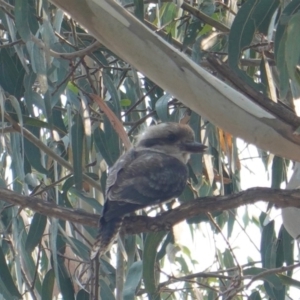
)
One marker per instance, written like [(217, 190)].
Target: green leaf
[(58, 123), (61, 85), (73, 88), (139, 9), (91, 201), (279, 293), (253, 16), (169, 13), (125, 102), (38, 60), (279, 250), (48, 106), (292, 8), (163, 248), (183, 264), (269, 290), (107, 142), (268, 246), (65, 283), (130, 245), (255, 296), (208, 7), (228, 259), (280, 46), (32, 19), (292, 46), (32, 99), (77, 133), (21, 19), (45, 262), (78, 248), (4, 292), (161, 107), (232, 215), (152, 243), (113, 93), (83, 295), (17, 163), (48, 285), (281, 65), (68, 184), (11, 74), (99, 55), (102, 147), (132, 280), (36, 231), (16, 105), (105, 291), (6, 277), (272, 279), (289, 281), (38, 123), (33, 153), (53, 246), (187, 194), (196, 159), (192, 32), (221, 220), (212, 295), (29, 80), (84, 85), (288, 249), (47, 31), (27, 261), (278, 171)]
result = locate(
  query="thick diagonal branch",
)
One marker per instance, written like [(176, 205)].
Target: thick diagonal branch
[(164, 221)]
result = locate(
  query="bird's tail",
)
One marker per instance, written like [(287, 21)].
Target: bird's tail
[(108, 232)]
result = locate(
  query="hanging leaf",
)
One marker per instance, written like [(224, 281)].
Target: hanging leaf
[(150, 250), (6, 277), (48, 285), (21, 14), (36, 231), (132, 280), (77, 133)]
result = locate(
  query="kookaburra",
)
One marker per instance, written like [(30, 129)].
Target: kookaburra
[(152, 172)]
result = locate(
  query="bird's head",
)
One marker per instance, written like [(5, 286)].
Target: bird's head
[(173, 139)]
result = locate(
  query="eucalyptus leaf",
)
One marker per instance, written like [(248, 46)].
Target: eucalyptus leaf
[(253, 16), (162, 108), (48, 285), (77, 133), (36, 231), (6, 277), (132, 280), (21, 19), (152, 242)]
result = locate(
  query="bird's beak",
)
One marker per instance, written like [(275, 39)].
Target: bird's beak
[(193, 147)]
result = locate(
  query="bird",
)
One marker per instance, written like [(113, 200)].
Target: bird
[(152, 172)]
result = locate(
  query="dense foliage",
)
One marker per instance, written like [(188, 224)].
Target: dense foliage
[(68, 106)]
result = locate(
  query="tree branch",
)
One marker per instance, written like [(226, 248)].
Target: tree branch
[(164, 221), (192, 85)]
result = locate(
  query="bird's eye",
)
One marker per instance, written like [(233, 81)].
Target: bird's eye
[(172, 137)]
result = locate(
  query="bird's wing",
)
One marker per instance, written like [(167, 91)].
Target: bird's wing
[(151, 178), (121, 163)]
